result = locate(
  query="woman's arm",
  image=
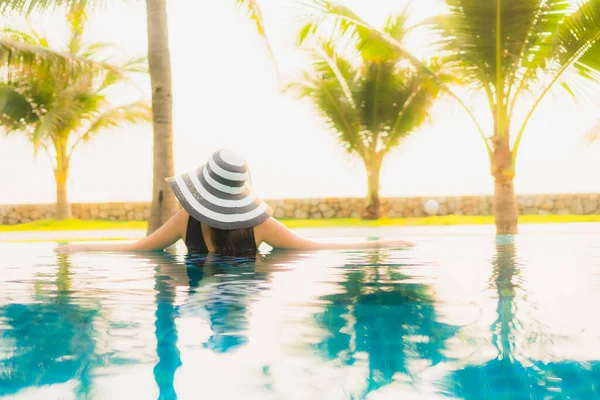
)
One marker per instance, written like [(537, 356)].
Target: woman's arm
[(278, 236), (164, 237)]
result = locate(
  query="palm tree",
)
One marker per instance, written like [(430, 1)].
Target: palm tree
[(164, 204), (371, 103), (505, 49), (59, 111)]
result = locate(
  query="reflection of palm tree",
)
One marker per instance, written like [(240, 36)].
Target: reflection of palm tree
[(511, 376), (504, 272), (393, 323), (504, 373), (52, 339), (166, 334)]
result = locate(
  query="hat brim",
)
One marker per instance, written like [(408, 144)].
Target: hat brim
[(215, 208)]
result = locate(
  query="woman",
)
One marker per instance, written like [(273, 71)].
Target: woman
[(222, 215)]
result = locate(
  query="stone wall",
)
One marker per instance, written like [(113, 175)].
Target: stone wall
[(18, 214), (327, 208)]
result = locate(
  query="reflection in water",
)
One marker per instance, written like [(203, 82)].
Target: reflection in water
[(166, 335), (52, 339), (229, 286), (212, 281), (511, 374), (326, 325), (381, 316)]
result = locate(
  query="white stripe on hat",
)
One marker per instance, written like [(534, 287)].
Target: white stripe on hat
[(234, 176), (262, 208), (213, 199), (232, 158), (220, 186)]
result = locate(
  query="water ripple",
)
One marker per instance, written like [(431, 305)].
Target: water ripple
[(464, 316)]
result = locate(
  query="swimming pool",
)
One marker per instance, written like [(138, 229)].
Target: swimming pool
[(461, 315)]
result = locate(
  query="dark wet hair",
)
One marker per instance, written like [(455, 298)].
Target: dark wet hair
[(232, 242)]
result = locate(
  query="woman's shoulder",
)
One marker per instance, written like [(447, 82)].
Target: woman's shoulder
[(270, 228), (266, 225)]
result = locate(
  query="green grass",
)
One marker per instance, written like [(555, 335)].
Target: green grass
[(435, 221), (79, 225), (73, 240), (73, 225)]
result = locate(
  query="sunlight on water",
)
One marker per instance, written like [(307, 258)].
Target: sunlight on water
[(461, 315)]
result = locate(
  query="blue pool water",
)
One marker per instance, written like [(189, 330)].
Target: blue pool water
[(461, 315)]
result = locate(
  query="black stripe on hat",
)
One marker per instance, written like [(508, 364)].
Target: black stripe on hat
[(213, 223), (229, 167), (215, 207), (218, 193), (230, 225), (224, 181)]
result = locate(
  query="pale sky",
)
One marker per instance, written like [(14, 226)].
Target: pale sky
[(226, 96)]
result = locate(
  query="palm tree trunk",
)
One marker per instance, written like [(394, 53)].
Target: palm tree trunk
[(373, 208), (164, 203), (61, 175), (505, 202), (505, 206), (63, 208)]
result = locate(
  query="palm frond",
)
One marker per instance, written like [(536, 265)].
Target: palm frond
[(123, 73), (397, 25), (329, 87), (537, 44), (91, 50), (45, 128), (376, 43), (19, 54), (255, 14), (370, 103), (372, 43), (588, 64), (593, 134), (77, 18), (132, 113), (308, 29), (327, 61), (344, 20), (577, 44), (51, 96), (416, 98), (25, 52), (15, 110), (578, 40), (468, 34), (137, 65), (468, 37), (21, 36), (29, 6)]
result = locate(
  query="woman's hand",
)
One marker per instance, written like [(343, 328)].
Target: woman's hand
[(276, 235), (394, 243), (164, 237), (70, 248)]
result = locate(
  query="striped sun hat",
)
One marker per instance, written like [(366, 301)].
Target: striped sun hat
[(219, 193)]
